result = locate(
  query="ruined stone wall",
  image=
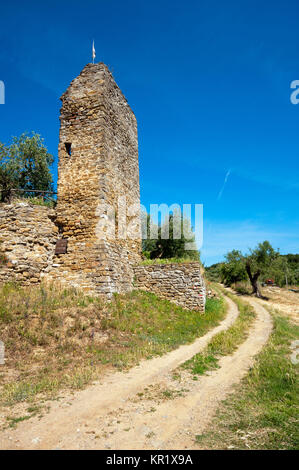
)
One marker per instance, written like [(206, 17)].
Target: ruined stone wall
[(28, 235), (27, 239), (98, 163), (181, 283)]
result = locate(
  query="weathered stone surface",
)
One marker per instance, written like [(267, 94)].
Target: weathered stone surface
[(181, 283), (98, 163), (27, 237)]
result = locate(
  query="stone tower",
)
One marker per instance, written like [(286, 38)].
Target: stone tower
[(98, 177)]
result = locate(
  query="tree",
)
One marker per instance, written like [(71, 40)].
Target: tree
[(148, 244), (291, 268), (213, 272), (279, 271), (260, 261), (233, 270), (173, 235), (25, 165)]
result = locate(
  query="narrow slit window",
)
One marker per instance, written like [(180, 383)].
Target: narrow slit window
[(68, 148)]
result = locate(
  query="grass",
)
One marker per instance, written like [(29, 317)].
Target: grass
[(14, 421), (36, 201), (224, 343), (3, 259), (57, 339), (242, 288), (42, 202), (168, 261), (158, 393), (263, 411)]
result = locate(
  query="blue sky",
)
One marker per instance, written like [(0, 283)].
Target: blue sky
[(209, 83)]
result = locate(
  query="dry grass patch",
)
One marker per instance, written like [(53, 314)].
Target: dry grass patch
[(58, 339)]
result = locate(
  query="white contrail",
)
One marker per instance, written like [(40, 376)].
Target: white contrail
[(225, 181)]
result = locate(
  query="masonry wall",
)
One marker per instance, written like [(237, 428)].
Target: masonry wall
[(28, 234), (98, 166), (181, 283), (27, 238)]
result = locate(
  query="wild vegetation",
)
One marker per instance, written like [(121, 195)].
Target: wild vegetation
[(224, 343), (3, 258), (167, 261), (261, 414), (25, 167), (170, 243), (58, 338), (260, 264)]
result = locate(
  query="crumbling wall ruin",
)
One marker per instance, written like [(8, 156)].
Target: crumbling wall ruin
[(27, 240)]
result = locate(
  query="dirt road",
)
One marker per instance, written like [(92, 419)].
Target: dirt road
[(146, 408)]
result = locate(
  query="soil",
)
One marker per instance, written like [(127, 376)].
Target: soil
[(150, 407)]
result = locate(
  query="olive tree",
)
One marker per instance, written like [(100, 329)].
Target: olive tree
[(25, 165)]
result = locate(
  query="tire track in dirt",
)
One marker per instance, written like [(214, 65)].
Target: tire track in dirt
[(218, 385), (176, 422), (63, 426)]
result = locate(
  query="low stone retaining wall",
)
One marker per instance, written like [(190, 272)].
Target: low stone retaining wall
[(181, 283)]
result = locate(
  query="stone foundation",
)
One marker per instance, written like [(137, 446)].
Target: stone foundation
[(181, 283)]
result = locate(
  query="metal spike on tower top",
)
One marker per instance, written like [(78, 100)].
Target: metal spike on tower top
[(93, 52)]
